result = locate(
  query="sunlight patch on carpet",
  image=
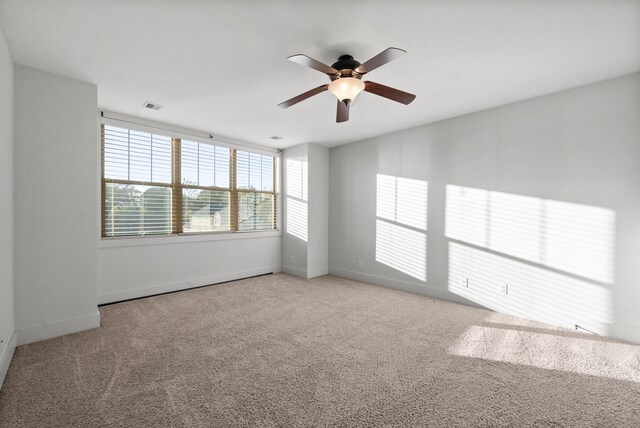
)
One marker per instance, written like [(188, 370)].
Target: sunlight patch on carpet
[(553, 352)]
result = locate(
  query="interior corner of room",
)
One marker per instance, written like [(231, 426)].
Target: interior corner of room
[(531, 208)]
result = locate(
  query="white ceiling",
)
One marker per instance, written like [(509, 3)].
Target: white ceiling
[(220, 66)]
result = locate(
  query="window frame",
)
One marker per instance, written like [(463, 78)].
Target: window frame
[(177, 187)]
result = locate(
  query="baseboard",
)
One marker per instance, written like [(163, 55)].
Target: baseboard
[(614, 331), (396, 284), (6, 355), (600, 328), (37, 333), (314, 272), (624, 332), (135, 293), (292, 270), (308, 274)]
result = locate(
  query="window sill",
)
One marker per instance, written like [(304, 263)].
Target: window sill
[(137, 241)]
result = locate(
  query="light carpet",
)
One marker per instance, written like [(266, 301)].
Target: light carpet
[(283, 351)]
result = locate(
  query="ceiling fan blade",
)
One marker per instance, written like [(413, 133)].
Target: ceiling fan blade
[(312, 63), (382, 58), (388, 92), (303, 96), (343, 111)]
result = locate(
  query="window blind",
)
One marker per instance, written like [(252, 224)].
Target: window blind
[(204, 164), (256, 195), (137, 177)]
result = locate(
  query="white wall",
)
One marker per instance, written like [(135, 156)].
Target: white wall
[(7, 337), (136, 267), (541, 195), (318, 246), (55, 200), (295, 209), (305, 210)]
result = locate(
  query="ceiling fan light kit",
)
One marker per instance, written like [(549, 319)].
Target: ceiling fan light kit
[(346, 81), (346, 88)]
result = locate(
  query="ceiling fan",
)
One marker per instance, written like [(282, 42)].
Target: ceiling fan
[(346, 80)]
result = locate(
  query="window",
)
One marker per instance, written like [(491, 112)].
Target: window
[(206, 191), (154, 184), (256, 190)]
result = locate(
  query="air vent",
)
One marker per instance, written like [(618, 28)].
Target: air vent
[(152, 106)]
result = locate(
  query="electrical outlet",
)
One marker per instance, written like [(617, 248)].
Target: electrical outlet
[(505, 289), (464, 282), (360, 265)]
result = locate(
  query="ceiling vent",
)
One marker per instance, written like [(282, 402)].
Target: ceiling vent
[(152, 106)]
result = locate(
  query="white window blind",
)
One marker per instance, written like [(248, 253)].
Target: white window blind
[(205, 210), (204, 164), (255, 171), (136, 156)]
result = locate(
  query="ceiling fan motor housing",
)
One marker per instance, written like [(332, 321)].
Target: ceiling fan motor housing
[(346, 66)]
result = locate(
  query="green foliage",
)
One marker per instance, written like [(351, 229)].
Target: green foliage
[(137, 210)]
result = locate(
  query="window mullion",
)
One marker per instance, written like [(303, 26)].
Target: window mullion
[(103, 201), (151, 159), (274, 172), (176, 187), (128, 154), (233, 186)]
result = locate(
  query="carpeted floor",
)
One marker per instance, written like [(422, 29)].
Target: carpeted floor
[(283, 351)]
